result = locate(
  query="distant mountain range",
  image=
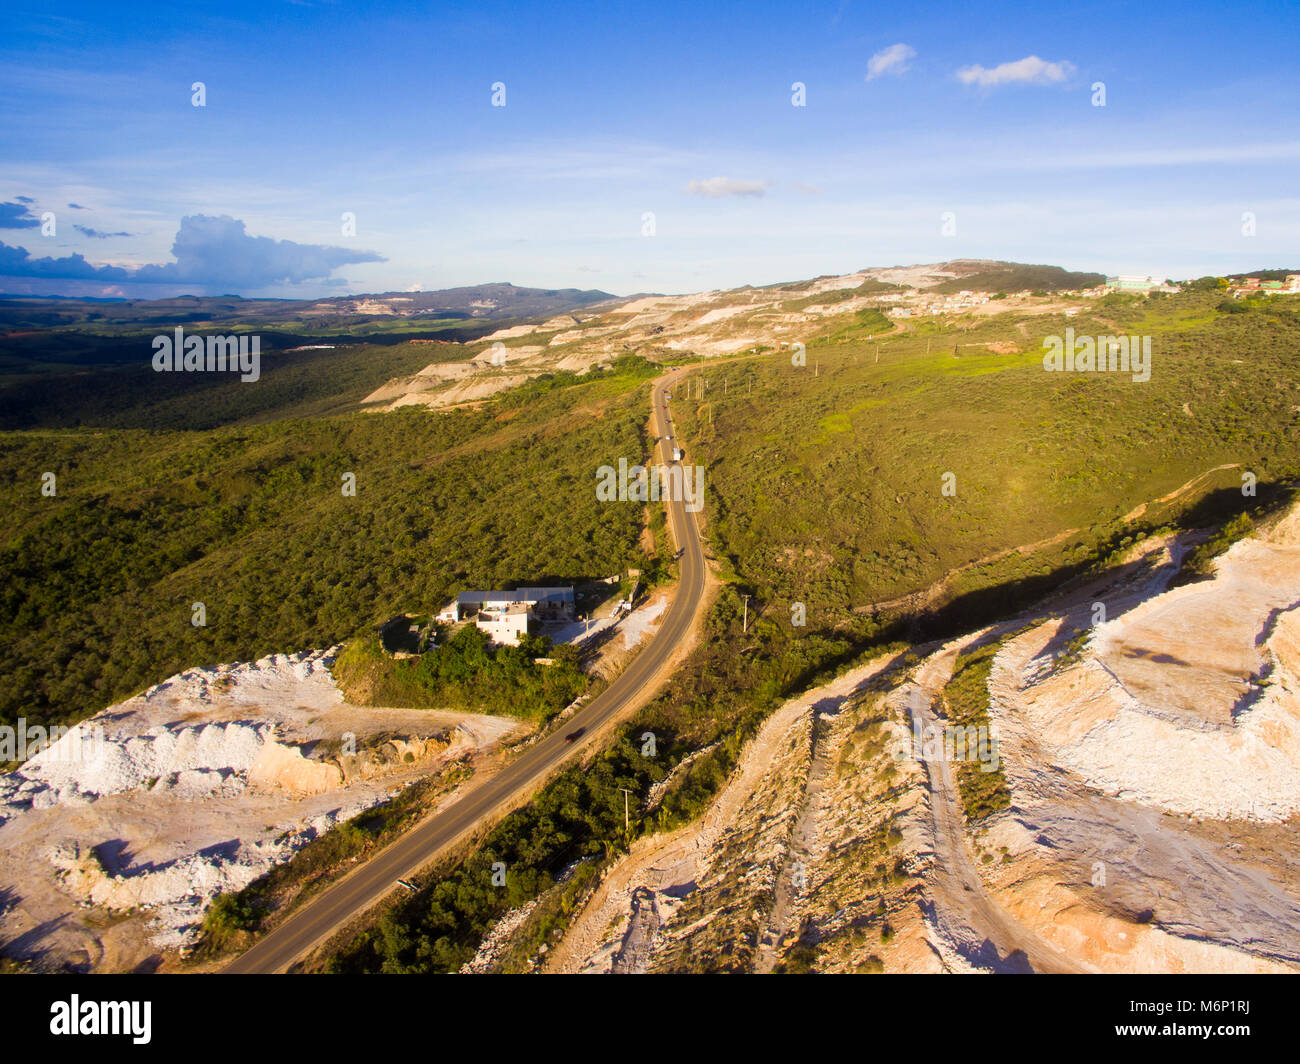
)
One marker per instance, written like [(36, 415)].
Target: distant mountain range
[(496, 301)]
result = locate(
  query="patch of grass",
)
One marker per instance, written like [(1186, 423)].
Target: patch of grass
[(1199, 562), (966, 697)]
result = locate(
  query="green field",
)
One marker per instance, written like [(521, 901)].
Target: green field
[(825, 482)]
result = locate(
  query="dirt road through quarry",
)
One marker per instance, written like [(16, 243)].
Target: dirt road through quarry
[(961, 906)]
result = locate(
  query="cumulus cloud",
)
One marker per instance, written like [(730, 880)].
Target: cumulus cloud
[(218, 250), (86, 230), (715, 187), (77, 207), (17, 216), (210, 252), (18, 262), (1028, 71), (895, 59)]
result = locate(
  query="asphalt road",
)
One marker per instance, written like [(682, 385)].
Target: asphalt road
[(490, 800)]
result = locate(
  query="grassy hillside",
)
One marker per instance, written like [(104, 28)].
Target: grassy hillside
[(97, 583), (1015, 276), (71, 380), (826, 488)]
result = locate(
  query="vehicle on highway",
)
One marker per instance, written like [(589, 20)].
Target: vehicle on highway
[(574, 736)]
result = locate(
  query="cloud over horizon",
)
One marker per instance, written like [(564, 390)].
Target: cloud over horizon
[(17, 215), (1028, 71), (86, 230), (210, 252)]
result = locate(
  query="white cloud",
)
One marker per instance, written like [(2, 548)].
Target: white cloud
[(1030, 71), (714, 187), (892, 60)]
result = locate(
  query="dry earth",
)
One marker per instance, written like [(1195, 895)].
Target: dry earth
[(703, 324), (1155, 780), (114, 840)]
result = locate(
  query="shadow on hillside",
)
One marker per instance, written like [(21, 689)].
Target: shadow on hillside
[(1044, 594)]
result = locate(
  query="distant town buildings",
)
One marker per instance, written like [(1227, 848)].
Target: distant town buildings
[(1134, 283), (1249, 285), (504, 615)]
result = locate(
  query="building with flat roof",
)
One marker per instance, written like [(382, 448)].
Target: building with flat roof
[(1133, 283), (504, 615), (506, 623)]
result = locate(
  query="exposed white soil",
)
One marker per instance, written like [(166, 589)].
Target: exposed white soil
[(111, 848), (705, 324), (629, 925), (634, 627), (1189, 701), (1152, 825)]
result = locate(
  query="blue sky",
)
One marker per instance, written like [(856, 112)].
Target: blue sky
[(612, 111)]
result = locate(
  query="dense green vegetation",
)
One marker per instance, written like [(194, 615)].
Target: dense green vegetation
[(122, 391), (463, 671), (1014, 276), (99, 581)]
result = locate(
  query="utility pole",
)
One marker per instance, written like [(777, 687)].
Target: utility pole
[(745, 627), (627, 824)]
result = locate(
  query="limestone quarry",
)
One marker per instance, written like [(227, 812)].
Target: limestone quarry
[(1151, 753), (700, 324), (114, 840)]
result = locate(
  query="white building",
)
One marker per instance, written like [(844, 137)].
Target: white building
[(506, 624), (504, 615)]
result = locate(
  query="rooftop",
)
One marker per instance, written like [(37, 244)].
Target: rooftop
[(523, 594)]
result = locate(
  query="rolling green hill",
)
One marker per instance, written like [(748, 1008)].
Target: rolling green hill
[(250, 519)]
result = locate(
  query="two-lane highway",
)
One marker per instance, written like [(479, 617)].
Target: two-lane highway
[(487, 801)]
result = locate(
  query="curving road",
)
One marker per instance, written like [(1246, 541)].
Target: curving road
[(492, 798)]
